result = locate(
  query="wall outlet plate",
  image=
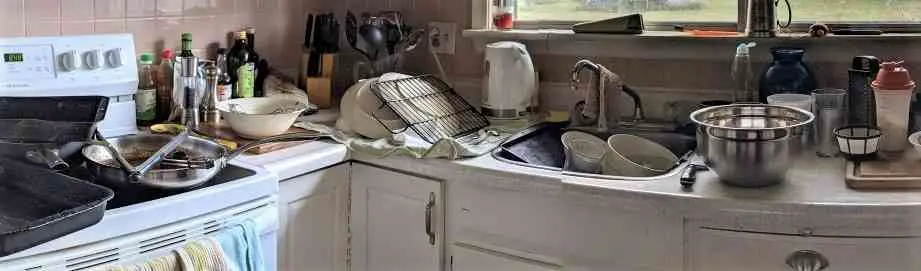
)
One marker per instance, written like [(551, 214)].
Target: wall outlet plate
[(442, 37)]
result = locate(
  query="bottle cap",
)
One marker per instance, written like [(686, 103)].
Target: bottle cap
[(146, 59), (167, 54), (241, 35), (893, 76), (186, 36)]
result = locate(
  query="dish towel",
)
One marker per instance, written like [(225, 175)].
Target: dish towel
[(613, 87), (169, 262), (411, 145), (242, 247), (203, 255)]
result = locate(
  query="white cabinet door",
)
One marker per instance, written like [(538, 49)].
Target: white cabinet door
[(396, 221), (313, 216), (719, 250), (475, 259)]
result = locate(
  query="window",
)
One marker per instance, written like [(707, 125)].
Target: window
[(888, 13)]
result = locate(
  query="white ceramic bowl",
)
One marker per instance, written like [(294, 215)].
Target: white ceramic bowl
[(583, 152), (256, 118), (359, 108), (633, 156)]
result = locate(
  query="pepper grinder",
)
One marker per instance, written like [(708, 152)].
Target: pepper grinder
[(209, 112)]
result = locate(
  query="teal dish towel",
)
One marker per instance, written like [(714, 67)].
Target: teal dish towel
[(242, 247)]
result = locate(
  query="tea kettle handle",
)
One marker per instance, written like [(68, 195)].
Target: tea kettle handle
[(789, 14)]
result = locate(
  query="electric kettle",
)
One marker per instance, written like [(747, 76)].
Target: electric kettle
[(510, 86)]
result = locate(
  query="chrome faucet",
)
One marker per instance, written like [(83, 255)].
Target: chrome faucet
[(602, 118)]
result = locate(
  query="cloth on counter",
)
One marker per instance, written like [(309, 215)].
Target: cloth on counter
[(242, 247), (411, 145)]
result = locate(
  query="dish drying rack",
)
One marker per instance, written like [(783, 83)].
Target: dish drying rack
[(429, 107)]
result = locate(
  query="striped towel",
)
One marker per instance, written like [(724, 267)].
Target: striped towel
[(201, 255)]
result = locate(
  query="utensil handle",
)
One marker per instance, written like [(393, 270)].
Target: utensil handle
[(158, 156), (275, 139)]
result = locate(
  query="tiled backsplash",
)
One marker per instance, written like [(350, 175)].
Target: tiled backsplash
[(158, 23)]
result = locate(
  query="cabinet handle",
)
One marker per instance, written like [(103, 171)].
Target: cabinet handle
[(807, 260), (428, 218)]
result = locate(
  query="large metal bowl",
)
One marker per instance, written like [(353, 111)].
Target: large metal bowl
[(751, 145)]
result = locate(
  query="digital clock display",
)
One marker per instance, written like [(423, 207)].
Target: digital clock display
[(13, 57)]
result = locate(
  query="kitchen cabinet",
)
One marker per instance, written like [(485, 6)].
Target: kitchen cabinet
[(724, 250), (313, 221), (396, 221), (466, 258)]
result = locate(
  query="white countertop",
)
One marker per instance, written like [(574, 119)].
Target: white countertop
[(812, 182)]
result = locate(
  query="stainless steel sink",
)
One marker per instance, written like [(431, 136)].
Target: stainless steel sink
[(540, 146)]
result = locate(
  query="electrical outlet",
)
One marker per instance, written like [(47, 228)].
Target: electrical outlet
[(442, 37)]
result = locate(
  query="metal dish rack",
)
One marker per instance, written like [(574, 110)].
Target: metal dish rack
[(429, 107)]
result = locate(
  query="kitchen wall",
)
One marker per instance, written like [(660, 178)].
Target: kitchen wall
[(158, 23), (663, 70)]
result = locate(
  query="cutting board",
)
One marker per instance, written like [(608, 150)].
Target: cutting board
[(890, 171), (223, 131)]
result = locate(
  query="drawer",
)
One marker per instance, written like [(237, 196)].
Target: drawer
[(521, 223), (720, 250)]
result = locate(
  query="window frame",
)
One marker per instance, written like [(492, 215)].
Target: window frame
[(481, 20)]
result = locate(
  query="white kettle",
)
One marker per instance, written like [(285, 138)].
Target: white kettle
[(511, 83)]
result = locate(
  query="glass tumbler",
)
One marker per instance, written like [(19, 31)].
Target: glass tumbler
[(830, 115)]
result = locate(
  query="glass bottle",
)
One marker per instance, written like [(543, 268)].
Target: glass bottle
[(787, 74), (146, 97), (224, 84), (165, 85), (242, 67)]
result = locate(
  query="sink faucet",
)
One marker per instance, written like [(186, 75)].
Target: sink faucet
[(602, 118)]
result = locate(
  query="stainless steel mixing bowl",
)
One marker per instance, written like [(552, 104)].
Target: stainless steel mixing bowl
[(751, 145)]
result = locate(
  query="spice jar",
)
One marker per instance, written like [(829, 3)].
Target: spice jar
[(503, 14)]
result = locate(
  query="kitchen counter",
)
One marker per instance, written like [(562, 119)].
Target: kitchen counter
[(813, 182)]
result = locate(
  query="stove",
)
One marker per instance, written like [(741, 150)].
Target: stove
[(126, 195)]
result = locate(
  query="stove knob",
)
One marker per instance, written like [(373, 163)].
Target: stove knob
[(114, 58), (69, 61), (92, 59)]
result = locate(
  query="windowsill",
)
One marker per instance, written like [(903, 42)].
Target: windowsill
[(563, 35)]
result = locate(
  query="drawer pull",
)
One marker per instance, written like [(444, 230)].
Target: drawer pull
[(807, 260), (428, 219)]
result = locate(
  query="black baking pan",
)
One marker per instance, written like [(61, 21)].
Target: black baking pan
[(37, 205), (63, 109)]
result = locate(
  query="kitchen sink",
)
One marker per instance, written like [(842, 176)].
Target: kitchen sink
[(540, 146)]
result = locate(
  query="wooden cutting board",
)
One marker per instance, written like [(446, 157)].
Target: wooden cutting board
[(223, 131), (891, 171)]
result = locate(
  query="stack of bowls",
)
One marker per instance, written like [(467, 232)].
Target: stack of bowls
[(751, 145), (622, 155)]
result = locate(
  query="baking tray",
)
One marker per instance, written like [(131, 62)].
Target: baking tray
[(37, 205)]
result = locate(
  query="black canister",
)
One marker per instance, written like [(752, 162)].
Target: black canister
[(861, 104)]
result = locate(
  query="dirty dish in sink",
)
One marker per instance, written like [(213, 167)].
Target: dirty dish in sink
[(583, 152), (633, 156), (256, 118)]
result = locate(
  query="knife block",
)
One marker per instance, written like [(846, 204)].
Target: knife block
[(320, 88)]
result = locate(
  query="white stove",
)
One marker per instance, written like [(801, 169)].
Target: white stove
[(138, 223), (95, 65)]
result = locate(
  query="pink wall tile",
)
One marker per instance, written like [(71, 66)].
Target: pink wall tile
[(111, 26), (43, 10), (145, 33), (141, 8), (169, 7), (11, 12), (76, 28), (76, 10), (109, 9), (43, 28), (207, 7)]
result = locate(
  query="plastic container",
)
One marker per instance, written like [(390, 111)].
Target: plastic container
[(830, 114), (892, 89), (742, 75), (801, 101)]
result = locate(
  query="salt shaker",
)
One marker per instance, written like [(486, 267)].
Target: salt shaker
[(892, 89)]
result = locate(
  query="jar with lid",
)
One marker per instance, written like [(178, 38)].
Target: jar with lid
[(503, 12)]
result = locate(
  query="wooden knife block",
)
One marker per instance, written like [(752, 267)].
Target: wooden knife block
[(320, 89)]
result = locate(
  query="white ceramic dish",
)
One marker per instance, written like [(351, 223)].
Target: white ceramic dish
[(583, 152), (256, 118), (633, 156), (362, 113)]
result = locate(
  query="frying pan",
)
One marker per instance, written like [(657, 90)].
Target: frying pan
[(195, 161)]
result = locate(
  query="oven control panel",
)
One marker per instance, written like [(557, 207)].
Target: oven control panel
[(68, 65)]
